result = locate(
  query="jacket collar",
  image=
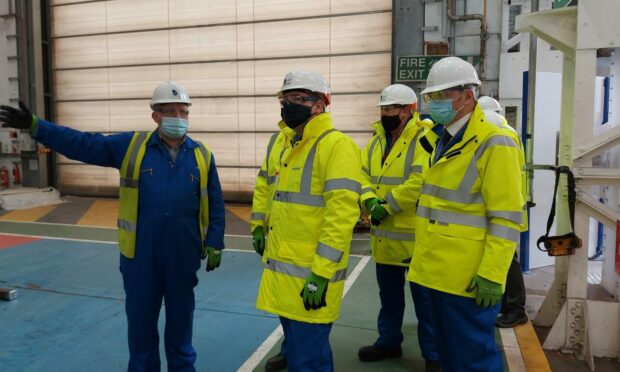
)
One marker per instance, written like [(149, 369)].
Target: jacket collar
[(155, 140)]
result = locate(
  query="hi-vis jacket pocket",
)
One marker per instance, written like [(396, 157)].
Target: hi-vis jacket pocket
[(456, 230)]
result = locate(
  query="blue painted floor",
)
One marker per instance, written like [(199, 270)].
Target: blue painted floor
[(69, 314)]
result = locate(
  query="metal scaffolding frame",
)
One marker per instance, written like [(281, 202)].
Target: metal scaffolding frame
[(578, 32)]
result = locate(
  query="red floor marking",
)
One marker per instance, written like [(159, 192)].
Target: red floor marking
[(9, 241)]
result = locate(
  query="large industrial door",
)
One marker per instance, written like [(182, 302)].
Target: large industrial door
[(230, 55)]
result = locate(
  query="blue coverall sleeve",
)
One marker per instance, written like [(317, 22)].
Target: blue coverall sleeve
[(91, 148), (217, 213)]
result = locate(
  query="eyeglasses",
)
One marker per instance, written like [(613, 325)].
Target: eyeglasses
[(298, 99), (174, 112), (388, 108), (440, 95)]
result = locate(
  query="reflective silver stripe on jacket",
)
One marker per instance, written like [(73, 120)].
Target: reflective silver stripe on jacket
[(371, 149), (299, 198), (272, 179), (304, 197), (272, 140), (342, 184), (505, 232), (257, 216), (407, 169), (463, 194), (299, 271), (262, 173), (437, 215), (127, 179), (126, 225), (516, 217), (367, 189), (329, 253), (392, 202), (393, 235)]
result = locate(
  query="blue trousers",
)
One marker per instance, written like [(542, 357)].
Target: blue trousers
[(149, 278), (307, 346), (465, 334), (391, 280)]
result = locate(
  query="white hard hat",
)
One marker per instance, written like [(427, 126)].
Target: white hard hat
[(397, 94), (450, 72), (308, 80), (170, 92), (489, 103)]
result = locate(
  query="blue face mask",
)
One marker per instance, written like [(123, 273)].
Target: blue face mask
[(174, 127), (441, 111)]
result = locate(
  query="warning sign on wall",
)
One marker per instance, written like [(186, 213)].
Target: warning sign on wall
[(416, 68)]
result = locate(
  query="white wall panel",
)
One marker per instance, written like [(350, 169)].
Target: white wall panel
[(130, 15), (138, 48), (203, 44), (76, 19), (359, 33), (185, 13), (136, 82), (81, 84), (232, 57), (85, 51), (292, 38)]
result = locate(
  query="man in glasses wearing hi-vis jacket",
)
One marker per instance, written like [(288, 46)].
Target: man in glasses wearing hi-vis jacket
[(468, 220), (311, 220)]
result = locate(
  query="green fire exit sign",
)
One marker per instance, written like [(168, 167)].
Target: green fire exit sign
[(416, 68)]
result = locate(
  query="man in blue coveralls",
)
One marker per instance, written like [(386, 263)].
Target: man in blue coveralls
[(171, 214)]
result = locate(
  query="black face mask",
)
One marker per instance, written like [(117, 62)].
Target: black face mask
[(390, 123), (294, 114)]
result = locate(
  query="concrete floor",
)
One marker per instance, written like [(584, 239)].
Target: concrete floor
[(71, 295)]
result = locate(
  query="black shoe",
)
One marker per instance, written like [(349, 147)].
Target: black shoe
[(374, 353), (432, 366), (276, 363), (509, 320)]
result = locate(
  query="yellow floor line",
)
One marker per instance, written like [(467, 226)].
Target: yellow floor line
[(28, 215), (533, 354), (242, 212), (102, 213)]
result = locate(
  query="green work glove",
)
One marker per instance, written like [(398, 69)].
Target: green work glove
[(376, 210), (258, 240), (214, 258), (314, 291), (18, 119), (489, 293)]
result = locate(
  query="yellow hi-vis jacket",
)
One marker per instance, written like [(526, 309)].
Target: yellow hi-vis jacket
[(266, 180), (398, 181), (501, 122), (128, 194), (311, 220), (469, 214)]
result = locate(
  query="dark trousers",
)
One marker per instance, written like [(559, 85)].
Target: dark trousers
[(391, 281), (514, 296)]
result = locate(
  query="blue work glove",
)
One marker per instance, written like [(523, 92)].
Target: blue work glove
[(258, 240), (18, 119), (314, 292), (214, 258), (489, 293), (376, 210)]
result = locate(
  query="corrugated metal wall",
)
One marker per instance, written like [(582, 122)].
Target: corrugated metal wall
[(230, 55)]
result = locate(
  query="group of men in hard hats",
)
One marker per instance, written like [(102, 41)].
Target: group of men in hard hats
[(444, 197)]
